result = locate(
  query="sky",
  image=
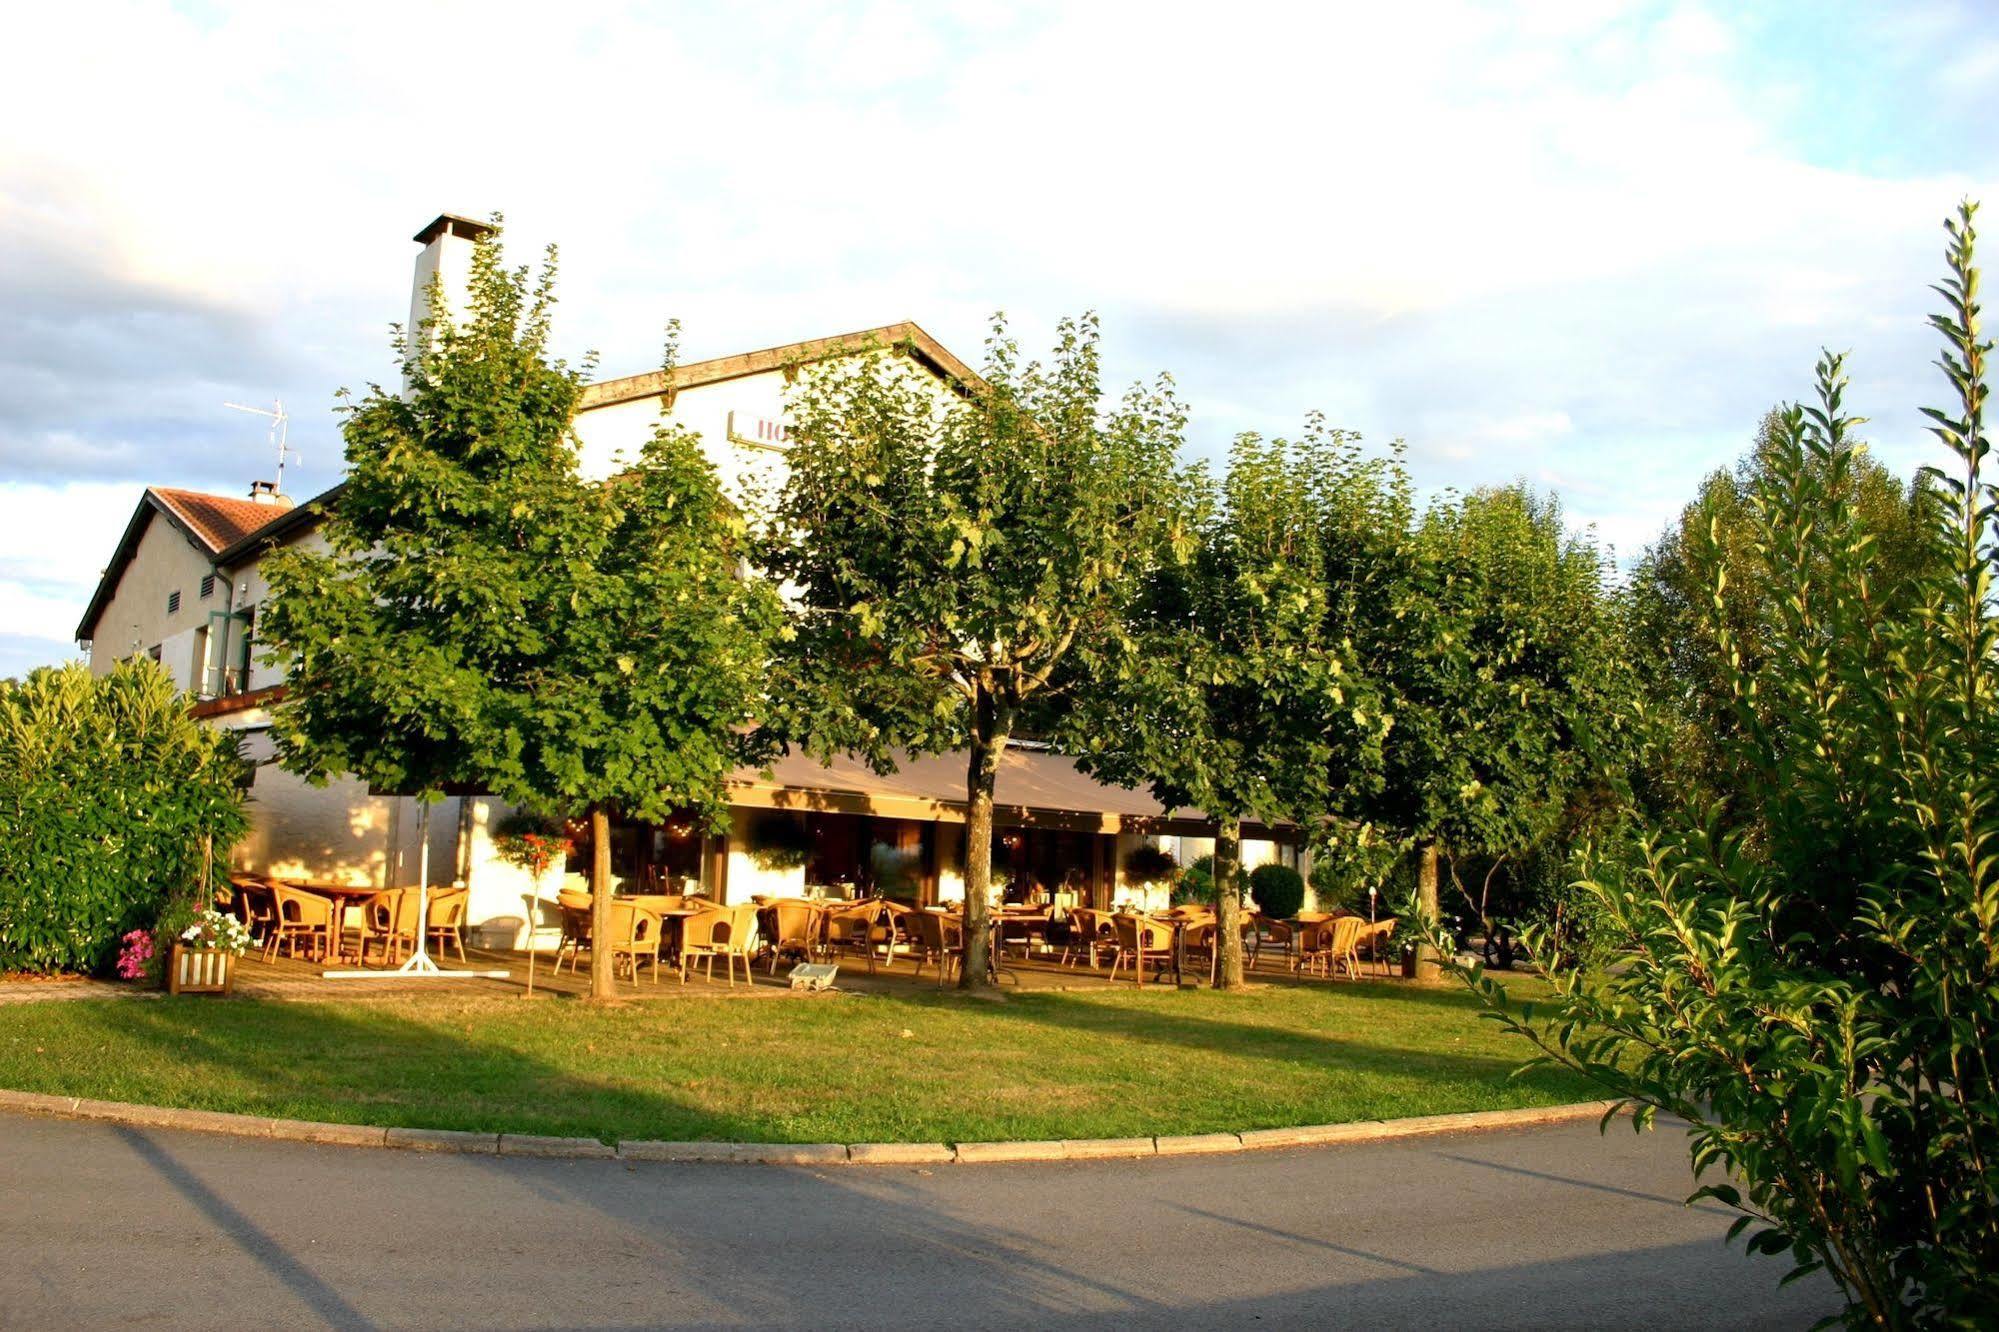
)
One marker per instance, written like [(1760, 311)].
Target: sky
[(1584, 245)]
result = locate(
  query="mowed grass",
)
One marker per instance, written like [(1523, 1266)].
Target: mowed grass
[(838, 1068)]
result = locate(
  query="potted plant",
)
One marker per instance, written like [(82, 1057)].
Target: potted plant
[(529, 842), (203, 960), (779, 842)]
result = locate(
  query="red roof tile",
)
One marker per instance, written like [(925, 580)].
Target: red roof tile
[(218, 519)]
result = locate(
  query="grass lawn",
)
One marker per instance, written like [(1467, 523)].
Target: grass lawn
[(845, 1068)]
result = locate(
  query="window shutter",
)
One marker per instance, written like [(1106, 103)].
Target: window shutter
[(173, 601)]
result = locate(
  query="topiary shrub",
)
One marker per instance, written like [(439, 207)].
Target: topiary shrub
[(1279, 890), (117, 806)]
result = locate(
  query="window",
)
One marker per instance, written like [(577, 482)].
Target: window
[(207, 586), (173, 601)]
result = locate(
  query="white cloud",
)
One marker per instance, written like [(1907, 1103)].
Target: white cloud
[(1553, 239)]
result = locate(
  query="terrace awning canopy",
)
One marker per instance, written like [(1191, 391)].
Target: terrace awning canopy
[(1036, 788)]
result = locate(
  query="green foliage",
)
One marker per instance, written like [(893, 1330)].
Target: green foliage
[(1278, 890), (1810, 978), (1227, 699), (1686, 685), (963, 557), (116, 804), (1196, 884), (487, 615), (779, 842)]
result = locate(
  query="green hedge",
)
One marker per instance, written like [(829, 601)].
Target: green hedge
[(110, 792)]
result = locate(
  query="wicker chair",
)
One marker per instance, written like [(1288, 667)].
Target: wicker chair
[(1135, 938), (792, 927), (1086, 935), (255, 906), (725, 932), (300, 917), (857, 928), (1329, 947), (937, 937), (634, 936), (446, 927), (575, 909)]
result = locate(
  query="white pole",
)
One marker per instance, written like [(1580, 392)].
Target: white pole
[(419, 963)]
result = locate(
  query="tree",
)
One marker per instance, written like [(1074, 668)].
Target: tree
[(1671, 597), (1227, 697), (1485, 632), (486, 616), (1810, 977), (959, 564)]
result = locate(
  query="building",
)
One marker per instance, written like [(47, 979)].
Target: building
[(183, 586)]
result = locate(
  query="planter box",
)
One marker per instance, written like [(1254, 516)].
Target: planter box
[(200, 971)]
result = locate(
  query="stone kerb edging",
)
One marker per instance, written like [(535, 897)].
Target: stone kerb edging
[(790, 1153)]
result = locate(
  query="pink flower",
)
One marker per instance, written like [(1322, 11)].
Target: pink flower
[(137, 952)]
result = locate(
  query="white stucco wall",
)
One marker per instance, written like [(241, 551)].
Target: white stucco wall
[(135, 618), (746, 878)]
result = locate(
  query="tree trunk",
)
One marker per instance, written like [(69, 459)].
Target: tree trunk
[(1228, 903), (1428, 970), (603, 984), (990, 728)]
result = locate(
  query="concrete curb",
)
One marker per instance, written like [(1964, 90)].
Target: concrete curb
[(792, 1153)]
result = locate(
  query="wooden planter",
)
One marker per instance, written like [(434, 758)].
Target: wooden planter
[(200, 971)]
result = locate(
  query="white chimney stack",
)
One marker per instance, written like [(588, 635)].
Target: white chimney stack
[(447, 259)]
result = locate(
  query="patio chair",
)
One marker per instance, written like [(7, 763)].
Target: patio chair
[(634, 935), (858, 928), (725, 932), (300, 917), (378, 921), (446, 926), (1135, 938), (1328, 947), (937, 937), (254, 905), (1087, 933), (575, 910), (1376, 941), (792, 928)]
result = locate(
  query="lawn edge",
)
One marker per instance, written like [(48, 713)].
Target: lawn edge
[(506, 1143)]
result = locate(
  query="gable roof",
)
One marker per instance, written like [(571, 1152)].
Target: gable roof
[(209, 523), (907, 335), (217, 521)]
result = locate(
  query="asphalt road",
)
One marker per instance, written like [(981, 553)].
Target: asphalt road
[(1539, 1228)]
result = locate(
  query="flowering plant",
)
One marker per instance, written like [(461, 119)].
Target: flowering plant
[(212, 931), (136, 953), (531, 843)]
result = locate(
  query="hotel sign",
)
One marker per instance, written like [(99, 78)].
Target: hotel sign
[(759, 432)]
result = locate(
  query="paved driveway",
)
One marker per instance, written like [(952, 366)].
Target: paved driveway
[(1541, 1228)]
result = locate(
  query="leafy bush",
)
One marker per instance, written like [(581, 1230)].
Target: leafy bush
[(533, 842), (1279, 890), (1196, 884), (116, 802), (1813, 986)]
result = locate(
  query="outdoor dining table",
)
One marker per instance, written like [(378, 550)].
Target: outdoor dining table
[(667, 915), (342, 895)]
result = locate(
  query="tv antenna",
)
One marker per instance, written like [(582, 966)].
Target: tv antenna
[(278, 421)]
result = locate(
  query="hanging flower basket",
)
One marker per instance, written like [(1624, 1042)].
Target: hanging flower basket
[(204, 956)]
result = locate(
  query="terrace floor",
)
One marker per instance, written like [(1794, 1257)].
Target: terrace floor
[(298, 978)]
